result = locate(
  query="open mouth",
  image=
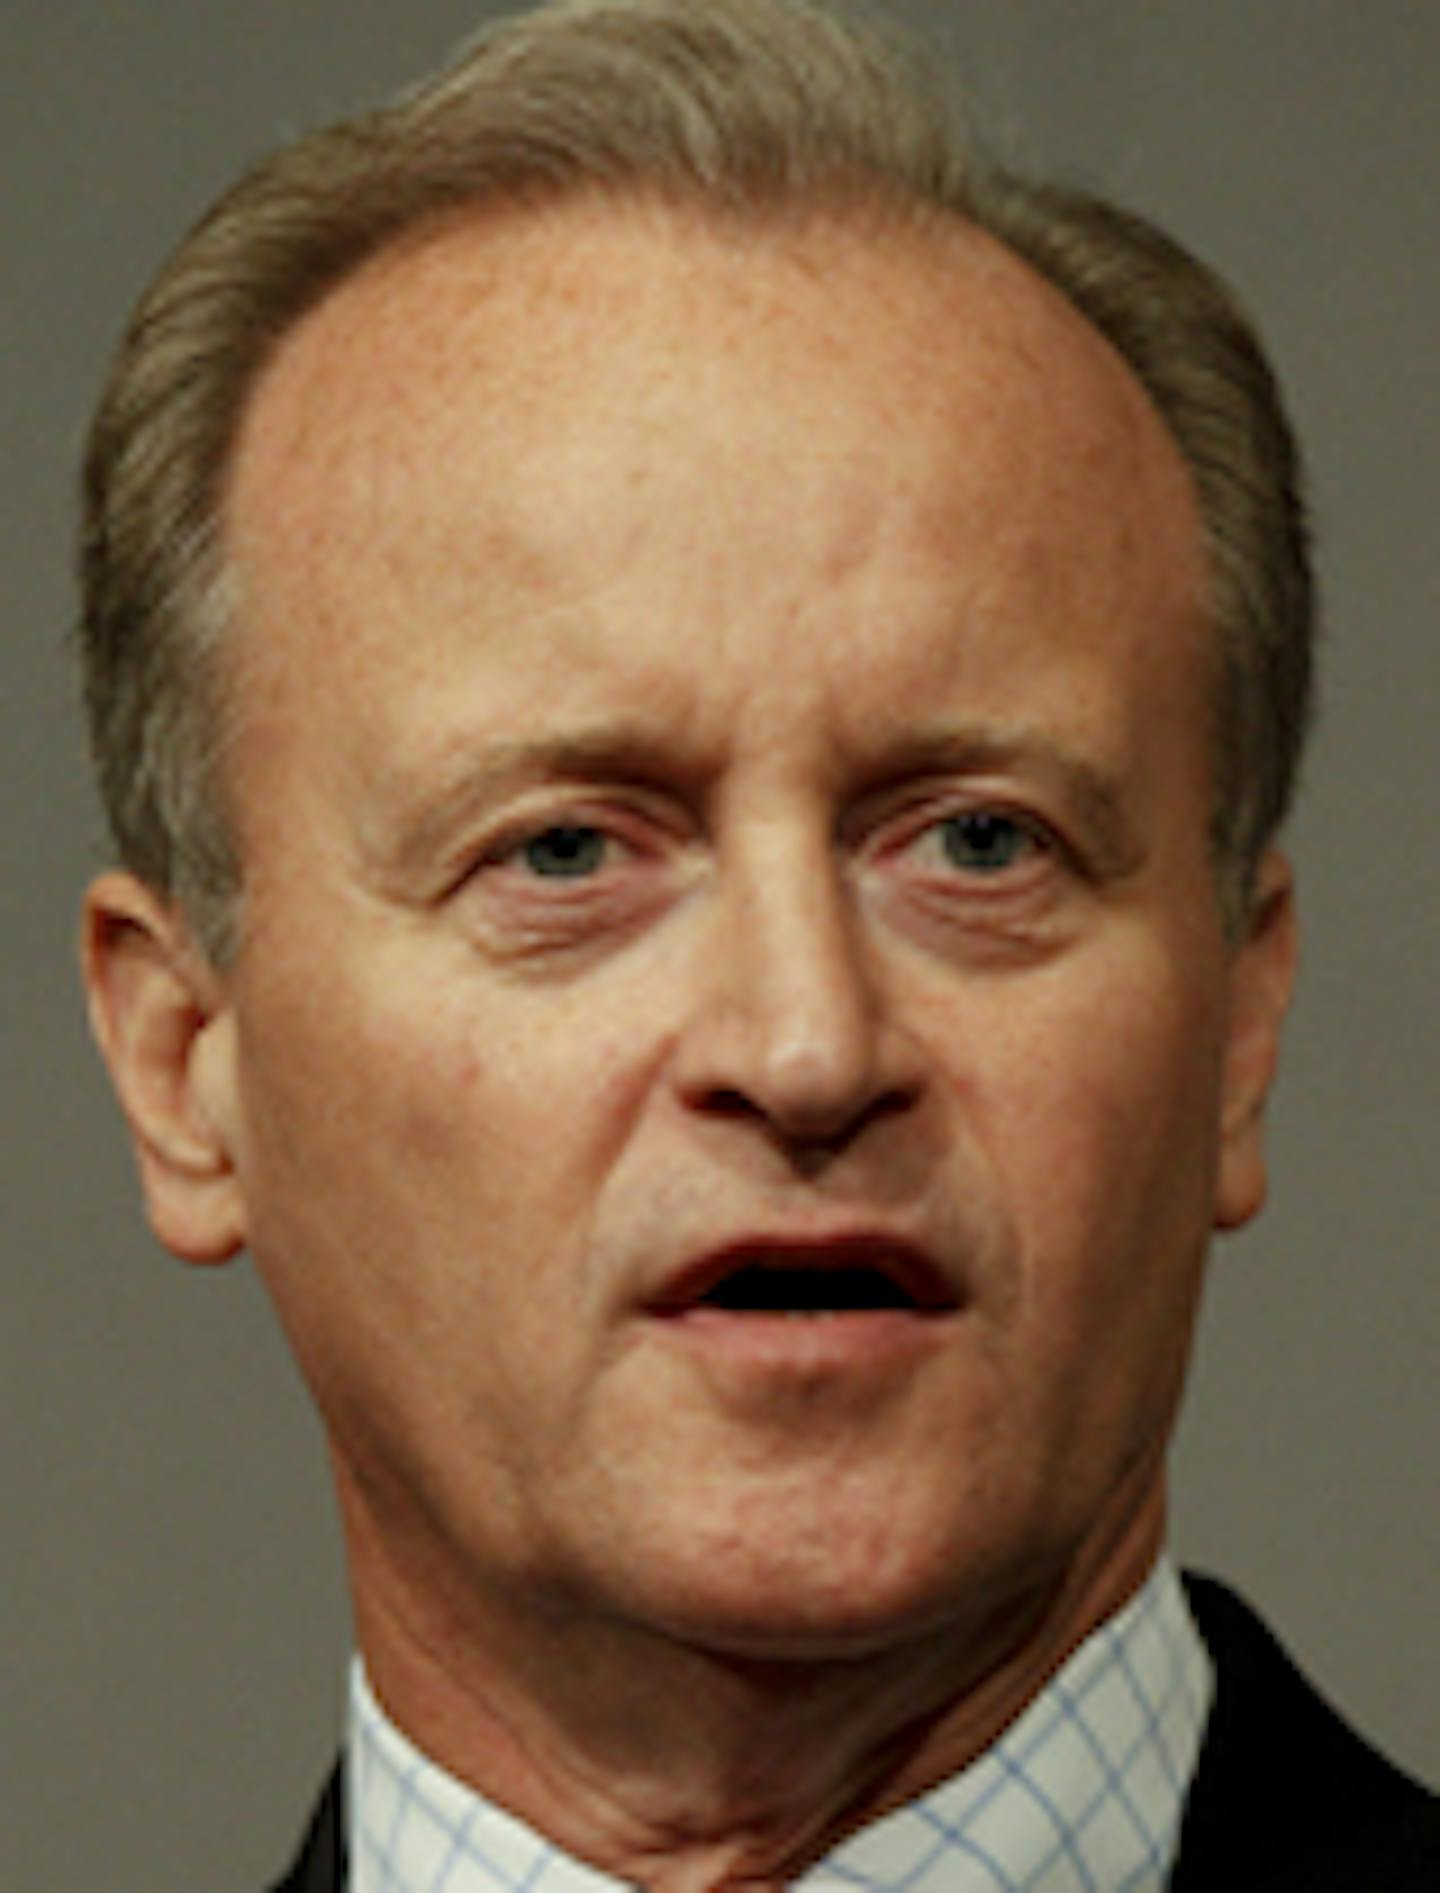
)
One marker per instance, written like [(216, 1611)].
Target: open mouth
[(849, 1278), (758, 1290)]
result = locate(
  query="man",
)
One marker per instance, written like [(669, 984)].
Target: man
[(696, 696)]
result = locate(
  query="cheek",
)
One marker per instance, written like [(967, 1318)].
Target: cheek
[(357, 1142), (405, 1194), (422, 1158), (1100, 1125)]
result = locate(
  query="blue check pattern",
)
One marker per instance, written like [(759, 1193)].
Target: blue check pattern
[(1082, 1794)]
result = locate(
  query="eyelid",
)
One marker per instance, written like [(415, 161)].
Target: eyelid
[(633, 824), (516, 837), (923, 812), (520, 917), (1038, 854), (1030, 836)]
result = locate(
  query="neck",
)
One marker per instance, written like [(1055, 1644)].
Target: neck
[(685, 1769)]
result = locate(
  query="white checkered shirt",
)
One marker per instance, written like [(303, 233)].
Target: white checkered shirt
[(1082, 1794)]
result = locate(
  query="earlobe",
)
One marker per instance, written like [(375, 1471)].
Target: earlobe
[(1262, 980), (158, 1011)]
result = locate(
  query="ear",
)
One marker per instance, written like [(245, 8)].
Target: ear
[(158, 1011), (1261, 981)]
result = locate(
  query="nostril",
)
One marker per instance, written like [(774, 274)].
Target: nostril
[(810, 1144), (728, 1101)]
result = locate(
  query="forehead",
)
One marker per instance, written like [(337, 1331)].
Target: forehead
[(626, 416), (511, 332)]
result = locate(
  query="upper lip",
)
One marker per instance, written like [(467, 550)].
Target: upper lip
[(907, 1265)]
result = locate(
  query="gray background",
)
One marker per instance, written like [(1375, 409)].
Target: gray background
[(175, 1615)]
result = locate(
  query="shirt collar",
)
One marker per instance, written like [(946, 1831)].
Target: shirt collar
[(1083, 1791)]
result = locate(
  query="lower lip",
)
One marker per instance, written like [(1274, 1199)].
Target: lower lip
[(807, 1346)]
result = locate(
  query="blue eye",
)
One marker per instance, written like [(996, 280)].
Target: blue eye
[(565, 853), (982, 841)]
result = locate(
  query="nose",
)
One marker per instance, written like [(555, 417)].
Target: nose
[(791, 1027)]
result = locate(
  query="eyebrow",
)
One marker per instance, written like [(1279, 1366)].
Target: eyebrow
[(1095, 795), (622, 750), (631, 751)]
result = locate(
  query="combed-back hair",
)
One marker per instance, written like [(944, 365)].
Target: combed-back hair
[(748, 108)]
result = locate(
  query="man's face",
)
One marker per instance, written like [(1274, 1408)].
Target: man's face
[(732, 1062)]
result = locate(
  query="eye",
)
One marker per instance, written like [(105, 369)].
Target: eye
[(982, 841), (566, 852), (569, 879)]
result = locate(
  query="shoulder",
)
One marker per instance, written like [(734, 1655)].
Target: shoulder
[(1287, 1794), (320, 1865)]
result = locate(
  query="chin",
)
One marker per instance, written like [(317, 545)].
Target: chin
[(806, 1602)]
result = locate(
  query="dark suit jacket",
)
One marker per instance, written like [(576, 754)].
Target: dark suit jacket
[(1286, 1799)]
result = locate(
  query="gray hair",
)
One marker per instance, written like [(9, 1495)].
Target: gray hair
[(741, 107)]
